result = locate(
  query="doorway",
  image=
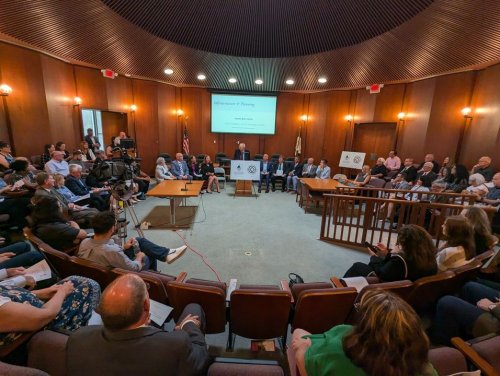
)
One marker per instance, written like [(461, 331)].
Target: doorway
[(374, 139), (105, 124)]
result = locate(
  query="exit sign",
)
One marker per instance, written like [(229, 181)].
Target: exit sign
[(108, 73)]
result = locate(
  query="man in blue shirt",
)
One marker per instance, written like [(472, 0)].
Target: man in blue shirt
[(266, 169)]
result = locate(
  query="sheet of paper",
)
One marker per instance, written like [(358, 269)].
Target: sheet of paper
[(159, 312), (357, 282), (40, 271)]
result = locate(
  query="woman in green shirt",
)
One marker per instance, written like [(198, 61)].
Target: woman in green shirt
[(388, 340)]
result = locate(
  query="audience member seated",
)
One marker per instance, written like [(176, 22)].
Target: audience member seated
[(430, 158), (142, 180), (266, 171), (21, 178), (16, 207), (194, 168), (459, 247), (483, 238), (399, 182), (477, 185), (389, 340), (242, 153), (309, 169), (208, 174), (379, 170), (46, 155), (57, 165), (75, 212), (77, 159), (392, 163), (493, 196), (179, 168), (128, 345), (115, 143), (294, 175), (484, 168), (363, 177), (50, 225), (99, 197), (92, 141), (68, 195), (409, 170), (280, 172), (87, 152), (421, 185), (323, 171), (458, 180), (426, 170), (446, 167), (6, 157), (476, 313), (17, 255), (68, 305), (161, 171), (413, 257), (61, 146), (135, 255)]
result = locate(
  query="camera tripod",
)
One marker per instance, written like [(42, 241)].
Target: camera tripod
[(120, 209)]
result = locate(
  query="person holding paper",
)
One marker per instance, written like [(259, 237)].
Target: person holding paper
[(413, 257), (280, 172), (136, 254), (128, 345), (67, 305)]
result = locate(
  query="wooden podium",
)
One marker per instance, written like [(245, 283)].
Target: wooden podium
[(243, 188)]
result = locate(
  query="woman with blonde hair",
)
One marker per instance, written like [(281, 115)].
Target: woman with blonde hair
[(363, 177), (483, 238), (389, 340)]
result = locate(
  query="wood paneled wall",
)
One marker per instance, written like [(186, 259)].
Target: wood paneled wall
[(41, 110)]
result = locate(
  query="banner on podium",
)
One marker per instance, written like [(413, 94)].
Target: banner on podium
[(352, 159), (245, 170)]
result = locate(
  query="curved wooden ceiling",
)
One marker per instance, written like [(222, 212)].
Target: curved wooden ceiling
[(351, 43)]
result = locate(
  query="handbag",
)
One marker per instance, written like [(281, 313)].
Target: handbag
[(294, 279)]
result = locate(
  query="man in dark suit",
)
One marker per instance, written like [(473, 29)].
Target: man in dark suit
[(409, 170), (99, 198), (294, 175), (179, 168), (91, 140), (427, 172), (266, 171), (242, 153), (127, 345), (280, 172)]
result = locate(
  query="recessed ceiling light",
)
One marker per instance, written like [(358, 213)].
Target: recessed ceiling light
[(258, 81), (322, 80), (289, 82), (232, 80), (201, 77), (127, 74), (168, 71)]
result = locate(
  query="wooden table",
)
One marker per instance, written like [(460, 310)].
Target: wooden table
[(173, 189), (321, 185)]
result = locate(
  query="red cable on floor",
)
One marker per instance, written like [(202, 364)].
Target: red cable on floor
[(203, 258)]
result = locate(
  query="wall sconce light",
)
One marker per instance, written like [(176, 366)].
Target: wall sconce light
[(401, 116), (349, 118), (133, 108), (5, 90), (466, 112), (77, 101), (180, 112), (303, 118)]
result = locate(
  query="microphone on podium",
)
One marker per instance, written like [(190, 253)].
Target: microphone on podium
[(190, 179)]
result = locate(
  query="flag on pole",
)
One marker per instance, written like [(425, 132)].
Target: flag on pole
[(185, 140), (298, 145)]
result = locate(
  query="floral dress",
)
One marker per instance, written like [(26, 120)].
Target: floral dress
[(75, 310)]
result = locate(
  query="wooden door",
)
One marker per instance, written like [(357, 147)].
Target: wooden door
[(374, 139)]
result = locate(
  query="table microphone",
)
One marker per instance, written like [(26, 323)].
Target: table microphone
[(185, 188), (190, 179)]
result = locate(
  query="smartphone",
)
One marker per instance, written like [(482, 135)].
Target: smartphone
[(372, 248)]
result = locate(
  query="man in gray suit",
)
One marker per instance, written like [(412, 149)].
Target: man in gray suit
[(309, 169), (127, 345), (180, 169)]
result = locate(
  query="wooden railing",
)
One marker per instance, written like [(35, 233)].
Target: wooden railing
[(353, 216)]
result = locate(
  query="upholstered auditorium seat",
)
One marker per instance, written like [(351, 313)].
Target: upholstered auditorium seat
[(210, 295), (156, 287), (428, 290), (334, 304), (447, 360), (90, 269), (258, 314), (241, 369), (483, 352), (11, 370), (47, 352)]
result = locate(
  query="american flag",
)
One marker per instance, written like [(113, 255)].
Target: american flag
[(185, 141)]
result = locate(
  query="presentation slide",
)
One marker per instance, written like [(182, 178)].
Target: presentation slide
[(250, 114)]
